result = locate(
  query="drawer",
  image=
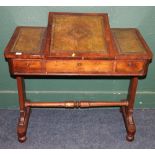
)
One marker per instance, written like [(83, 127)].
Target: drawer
[(79, 66), (130, 66), (27, 66)]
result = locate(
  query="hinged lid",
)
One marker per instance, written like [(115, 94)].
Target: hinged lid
[(77, 35), (26, 42), (130, 44)]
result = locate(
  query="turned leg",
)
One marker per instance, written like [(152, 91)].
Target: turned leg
[(127, 111), (24, 111)]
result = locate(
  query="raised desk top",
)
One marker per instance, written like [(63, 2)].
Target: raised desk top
[(82, 39)]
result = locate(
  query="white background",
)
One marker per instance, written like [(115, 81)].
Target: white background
[(77, 2)]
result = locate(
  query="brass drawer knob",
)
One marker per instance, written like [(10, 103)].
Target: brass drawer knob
[(130, 64), (73, 54), (79, 64)]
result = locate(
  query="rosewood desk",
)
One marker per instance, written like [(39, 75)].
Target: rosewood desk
[(76, 44)]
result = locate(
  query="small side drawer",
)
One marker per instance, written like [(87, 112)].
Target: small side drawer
[(130, 66), (27, 66)]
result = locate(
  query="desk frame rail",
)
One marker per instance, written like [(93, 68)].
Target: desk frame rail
[(126, 107)]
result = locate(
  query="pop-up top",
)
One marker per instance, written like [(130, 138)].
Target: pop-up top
[(77, 36)]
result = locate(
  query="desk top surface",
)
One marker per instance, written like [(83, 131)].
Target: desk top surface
[(81, 36), (76, 33)]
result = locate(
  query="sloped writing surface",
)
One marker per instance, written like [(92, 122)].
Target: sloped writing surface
[(78, 33)]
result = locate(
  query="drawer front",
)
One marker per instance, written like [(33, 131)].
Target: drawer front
[(105, 67), (79, 66), (27, 66), (130, 66)]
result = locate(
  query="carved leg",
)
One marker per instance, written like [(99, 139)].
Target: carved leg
[(24, 111), (127, 111)]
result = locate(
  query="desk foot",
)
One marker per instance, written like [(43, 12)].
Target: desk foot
[(129, 124), (129, 137), (22, 139), (23, 124)]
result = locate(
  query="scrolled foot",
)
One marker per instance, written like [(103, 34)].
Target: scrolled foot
[(22, 125), (22, 139), (129, 137), (129, 124)]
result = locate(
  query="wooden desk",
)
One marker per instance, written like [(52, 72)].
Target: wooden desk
[(76, 44)]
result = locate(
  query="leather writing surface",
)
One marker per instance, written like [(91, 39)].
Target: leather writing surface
[(127, 41), (78, 33), (29, 40)]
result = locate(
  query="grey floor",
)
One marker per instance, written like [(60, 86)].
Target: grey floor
[(77, 128)]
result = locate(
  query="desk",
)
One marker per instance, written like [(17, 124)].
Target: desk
[(76, 44)]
